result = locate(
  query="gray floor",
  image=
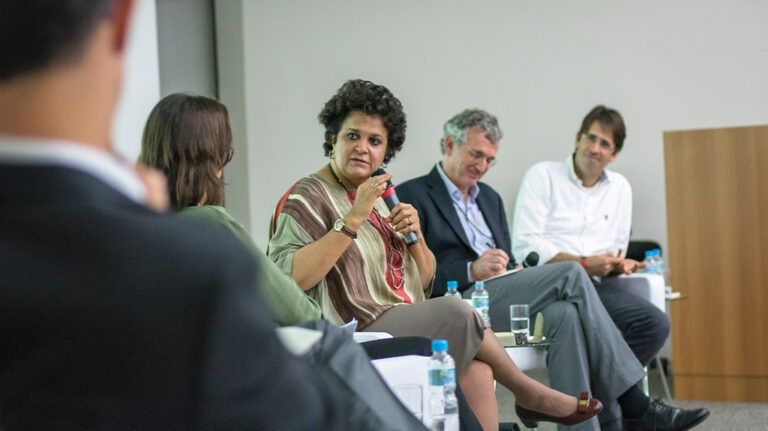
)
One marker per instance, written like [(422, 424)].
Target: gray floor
[(724, 416)]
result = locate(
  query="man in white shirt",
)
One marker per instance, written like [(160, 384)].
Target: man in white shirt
[(577, 210)]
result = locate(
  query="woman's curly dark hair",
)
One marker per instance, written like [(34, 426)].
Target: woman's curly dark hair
[(371, 99)]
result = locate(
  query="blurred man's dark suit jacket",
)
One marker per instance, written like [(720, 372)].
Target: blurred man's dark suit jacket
[(115, 317)]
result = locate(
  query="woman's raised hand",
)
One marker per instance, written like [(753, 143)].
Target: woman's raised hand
[(367, 193)]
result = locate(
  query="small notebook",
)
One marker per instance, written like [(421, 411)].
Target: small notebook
[(503, 274)]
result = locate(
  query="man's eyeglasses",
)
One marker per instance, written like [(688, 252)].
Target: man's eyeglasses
[(604, 144), (479, 156)]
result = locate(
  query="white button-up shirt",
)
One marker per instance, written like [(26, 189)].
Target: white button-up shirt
[(478, 232), (555, 213), (471, 218)]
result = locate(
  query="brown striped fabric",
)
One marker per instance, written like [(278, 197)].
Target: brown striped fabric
[(356, 286)]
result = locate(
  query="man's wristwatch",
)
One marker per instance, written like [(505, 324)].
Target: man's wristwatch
[(340, 226)]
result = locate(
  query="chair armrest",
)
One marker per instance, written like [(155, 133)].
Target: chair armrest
[(407, 370), (647, 286), (528, 358), (362, 337)]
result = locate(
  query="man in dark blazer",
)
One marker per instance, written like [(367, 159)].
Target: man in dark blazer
[(465, 226), (112, 315)]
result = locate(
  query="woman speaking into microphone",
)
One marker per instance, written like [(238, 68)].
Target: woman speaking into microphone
[(336, 237)]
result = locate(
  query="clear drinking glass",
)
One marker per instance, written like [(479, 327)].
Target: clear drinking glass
[(518, 319)]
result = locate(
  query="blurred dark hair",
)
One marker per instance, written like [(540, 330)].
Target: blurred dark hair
[(189, 138), (371, 99), (609, 119), (35, 34)]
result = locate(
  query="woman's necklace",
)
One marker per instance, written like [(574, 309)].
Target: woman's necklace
[(394, 250), (336, 177)]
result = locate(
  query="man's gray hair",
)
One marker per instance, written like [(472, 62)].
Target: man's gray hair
[(457, 127)]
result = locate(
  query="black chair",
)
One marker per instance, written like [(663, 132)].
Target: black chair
[(637, 248)]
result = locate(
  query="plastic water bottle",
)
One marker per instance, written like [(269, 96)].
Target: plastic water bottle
[(650, 261), (658, 261), (443, 405), (480, 301), (453, 289)]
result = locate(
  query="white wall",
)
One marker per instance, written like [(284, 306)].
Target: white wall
[(186, 47), (538, 65), (141, 83), (231, 54)]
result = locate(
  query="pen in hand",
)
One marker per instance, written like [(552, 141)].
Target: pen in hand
[(509, 262)]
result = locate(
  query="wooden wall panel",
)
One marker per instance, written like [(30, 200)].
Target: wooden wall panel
[(717, 207), (716, 388)]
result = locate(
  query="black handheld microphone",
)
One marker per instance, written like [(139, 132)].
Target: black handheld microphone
[(390, 198), (531, 260)]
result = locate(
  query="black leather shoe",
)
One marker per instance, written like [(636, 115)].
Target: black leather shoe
[(661, 417)]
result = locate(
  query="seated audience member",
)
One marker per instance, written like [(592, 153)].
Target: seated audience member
[(337, 239), (113, 316), (189, 139)]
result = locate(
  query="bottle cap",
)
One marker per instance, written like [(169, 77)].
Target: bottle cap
[(439, 345), (648, 253), (453, 284), (479, 283)]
